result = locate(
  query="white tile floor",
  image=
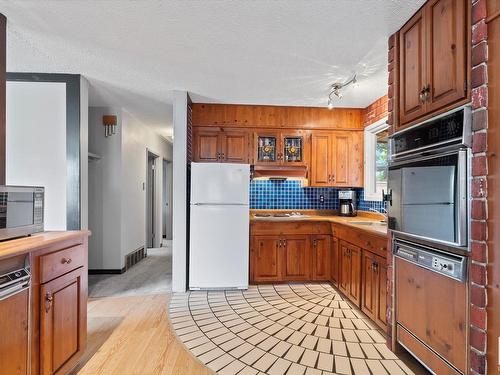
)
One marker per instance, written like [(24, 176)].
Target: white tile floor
[(281, 329)]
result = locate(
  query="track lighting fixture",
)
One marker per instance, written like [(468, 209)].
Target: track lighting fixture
[(336, 90)]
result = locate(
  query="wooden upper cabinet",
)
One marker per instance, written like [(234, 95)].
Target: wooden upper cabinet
[(336, 159), (412, 69), (206, 145), (433, 60), (283, 148), (446, 41), (321, 159), (341, 144), (234, 146), (220, 146)]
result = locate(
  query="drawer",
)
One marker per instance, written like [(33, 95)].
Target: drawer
[(60, 262), (365, 240), (279, 228)]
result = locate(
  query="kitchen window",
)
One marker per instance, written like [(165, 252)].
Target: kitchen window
[(376, 158)]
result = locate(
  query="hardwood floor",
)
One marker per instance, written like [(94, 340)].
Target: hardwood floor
[(132, 335)]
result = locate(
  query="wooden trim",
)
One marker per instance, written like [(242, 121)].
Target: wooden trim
[(3, 54), (493, 16)]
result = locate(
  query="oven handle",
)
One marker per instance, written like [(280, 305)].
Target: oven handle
[(461, 212), (424, 157)]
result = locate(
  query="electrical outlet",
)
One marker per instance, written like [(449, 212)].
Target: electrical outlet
[(322, 198)]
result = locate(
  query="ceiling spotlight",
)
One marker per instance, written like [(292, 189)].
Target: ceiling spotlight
[(336, 90)]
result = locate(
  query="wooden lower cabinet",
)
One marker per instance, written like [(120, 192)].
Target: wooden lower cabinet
[(350, 271), (335, 261), (265, 259), (321, 256), (296, 258), (374, 287), (62, 321), (290, 258)]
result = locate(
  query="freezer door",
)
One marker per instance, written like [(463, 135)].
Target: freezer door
[(220, 183), (219, 246)]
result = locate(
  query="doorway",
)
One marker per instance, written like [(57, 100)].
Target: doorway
[(151, 200)]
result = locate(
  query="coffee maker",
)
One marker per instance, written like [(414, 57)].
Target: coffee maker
[(347, 205)]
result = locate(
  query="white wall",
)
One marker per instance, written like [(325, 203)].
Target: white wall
[(36, 143), (137, 140), (105, 204), (179, 250), (117, 200), (84, 148)]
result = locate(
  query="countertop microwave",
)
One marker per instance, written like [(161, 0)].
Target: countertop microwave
[(21, 211)]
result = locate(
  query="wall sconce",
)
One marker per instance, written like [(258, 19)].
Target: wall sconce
[(109, 122)]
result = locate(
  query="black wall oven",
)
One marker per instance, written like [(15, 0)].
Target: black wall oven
[(428, 181)]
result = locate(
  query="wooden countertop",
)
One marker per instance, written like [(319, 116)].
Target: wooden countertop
[(375, 225), (37, 241)]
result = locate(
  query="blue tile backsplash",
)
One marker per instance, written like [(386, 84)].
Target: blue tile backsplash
[(290, 195)]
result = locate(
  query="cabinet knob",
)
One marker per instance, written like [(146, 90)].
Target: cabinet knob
[(66, 260)]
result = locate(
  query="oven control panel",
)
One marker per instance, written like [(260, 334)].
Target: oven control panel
[(447, 264)]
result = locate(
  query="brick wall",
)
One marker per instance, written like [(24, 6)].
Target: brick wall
[(375, 111), (479, 80), (390, 121), (479, 214)]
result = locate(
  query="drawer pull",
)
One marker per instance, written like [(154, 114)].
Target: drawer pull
[(48, 301), (66, 260)]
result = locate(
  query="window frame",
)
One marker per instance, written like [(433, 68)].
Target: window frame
[(372, 188)]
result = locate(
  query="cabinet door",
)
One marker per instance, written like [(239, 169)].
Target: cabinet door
[(206, 145), (234, 147), (265, 258), (14, 334), (341, 148), (356, 159), (381, 294), (368, 284), (294, 148), (335, 267), (321, 163), (355, 274), (446, 52), (412, 69), (267, 148), (345, 268), (296, 261), (63, 321), (321, 257)]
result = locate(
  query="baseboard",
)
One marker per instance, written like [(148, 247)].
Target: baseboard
[(107, 272)]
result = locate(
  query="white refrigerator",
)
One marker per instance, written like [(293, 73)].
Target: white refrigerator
[(219, 226)]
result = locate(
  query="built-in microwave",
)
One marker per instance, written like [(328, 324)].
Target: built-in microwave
[(21, 211), (428, 181)]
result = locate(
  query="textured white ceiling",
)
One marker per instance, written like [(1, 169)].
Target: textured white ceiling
[(258, 52)]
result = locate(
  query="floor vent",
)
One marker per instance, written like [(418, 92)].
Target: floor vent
[(134, 257)]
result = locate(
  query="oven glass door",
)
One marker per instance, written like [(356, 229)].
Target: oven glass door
[(16, 209), (429, 197)]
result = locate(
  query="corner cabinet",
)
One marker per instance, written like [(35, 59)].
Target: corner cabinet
[(217, 145), (433, 60), (336, 159)]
